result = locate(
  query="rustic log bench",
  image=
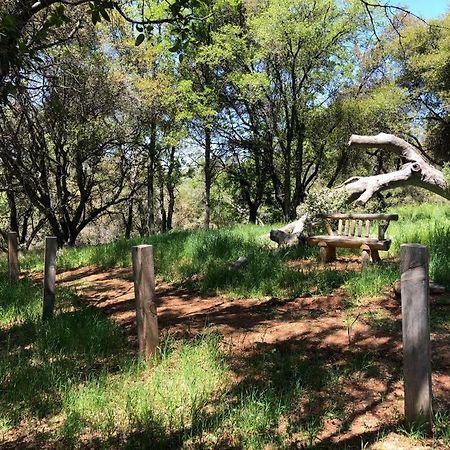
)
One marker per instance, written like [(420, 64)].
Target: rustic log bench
[(353, 231)]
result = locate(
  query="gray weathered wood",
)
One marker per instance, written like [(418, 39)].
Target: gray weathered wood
[(361, 216), (340, 227), (382, 227), (326, 253), (352, 228), (13, 256), (144, 289), (416, 170), (416, 333), (328, 228), (49, 291), (360, 227), (365, 255), (346, 226), (367, 228), (350, 241)]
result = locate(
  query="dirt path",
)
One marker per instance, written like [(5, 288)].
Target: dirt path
[(318, 324)]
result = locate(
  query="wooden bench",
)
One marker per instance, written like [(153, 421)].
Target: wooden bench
[(353, 231)]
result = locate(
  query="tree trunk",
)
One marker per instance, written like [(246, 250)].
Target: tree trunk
[(171, 183), (129, 222), (253, 212), (208, 178), (13, 220), (162, 201), (416, 170), (151, 162)]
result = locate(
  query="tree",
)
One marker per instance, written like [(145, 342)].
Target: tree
[(423, 55), (65, 141), (278, 67), (28, 26)]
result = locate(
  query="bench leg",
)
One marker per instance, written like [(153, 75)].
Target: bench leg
[(327, 254), (375, 256), (365, 256)]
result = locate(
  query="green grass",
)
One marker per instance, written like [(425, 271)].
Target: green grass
[(80, 373), (372, 281), (200, 259), (39, 360), (164, 400), (18, 301), (80, 369), (429, 225)]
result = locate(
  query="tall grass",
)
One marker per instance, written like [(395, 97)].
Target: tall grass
[(201, 259), (39, 360), (429, 225), (79, 367), (162, 402)]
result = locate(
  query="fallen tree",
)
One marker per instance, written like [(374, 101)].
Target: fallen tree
[(415, 171)]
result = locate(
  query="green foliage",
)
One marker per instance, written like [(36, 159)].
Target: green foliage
[(80, 369), (170, 395), (19, 302), (426, 224), (323, 201), (40, 360), (371, 282), (424, 58)]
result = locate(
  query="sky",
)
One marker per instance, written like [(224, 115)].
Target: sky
[(428, 9)]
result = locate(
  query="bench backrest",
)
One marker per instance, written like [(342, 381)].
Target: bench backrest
[(357, 225)]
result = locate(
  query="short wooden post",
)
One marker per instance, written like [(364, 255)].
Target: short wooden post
[(365, 256), (144, 291), (51, 245), (13, 256), (416, 333), (326, 253), (375, 255)]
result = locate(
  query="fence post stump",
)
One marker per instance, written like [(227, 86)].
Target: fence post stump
[(51, 245), (144, 290), (416, 334), (13, 256)]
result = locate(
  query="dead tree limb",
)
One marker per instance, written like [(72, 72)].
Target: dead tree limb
[(416, 171)]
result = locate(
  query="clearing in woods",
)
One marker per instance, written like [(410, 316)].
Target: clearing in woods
[(258, 334), (283, 353)]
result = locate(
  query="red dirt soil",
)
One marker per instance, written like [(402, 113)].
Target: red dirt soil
[(321, 323), (313, 325)]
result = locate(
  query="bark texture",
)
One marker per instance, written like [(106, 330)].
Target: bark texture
[(416, 170)]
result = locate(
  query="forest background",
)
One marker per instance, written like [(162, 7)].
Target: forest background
[(209, 114)]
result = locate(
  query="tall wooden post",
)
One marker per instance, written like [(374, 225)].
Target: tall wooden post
[(416, 333), (144, 291), (13, 256), (51, 245)]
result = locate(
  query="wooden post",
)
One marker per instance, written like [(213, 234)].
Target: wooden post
[(144, 291), (51, 245), (365, 256), (416, 333), (13, 256), (326, 253), (375, 255)]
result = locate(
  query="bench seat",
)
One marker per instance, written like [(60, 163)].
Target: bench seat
[(350, 242)]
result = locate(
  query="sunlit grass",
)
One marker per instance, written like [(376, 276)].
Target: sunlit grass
[(168, 394), (80, 369)]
